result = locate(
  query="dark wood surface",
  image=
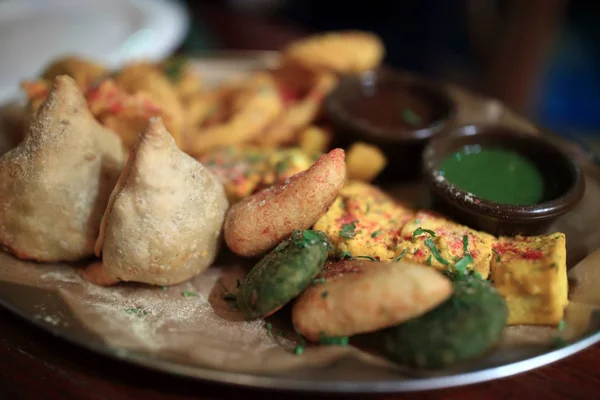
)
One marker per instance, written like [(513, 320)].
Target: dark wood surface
[(36, 365)]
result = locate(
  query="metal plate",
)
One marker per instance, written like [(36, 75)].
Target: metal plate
[(344, 377)]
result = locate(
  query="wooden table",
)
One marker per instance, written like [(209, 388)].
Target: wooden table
[(35, 365)]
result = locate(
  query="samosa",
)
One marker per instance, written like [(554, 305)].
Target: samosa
[(164, 219), (54, 186)]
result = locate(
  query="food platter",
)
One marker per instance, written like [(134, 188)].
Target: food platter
[(55, 299)]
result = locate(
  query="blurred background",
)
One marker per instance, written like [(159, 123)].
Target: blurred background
[(540, 57)]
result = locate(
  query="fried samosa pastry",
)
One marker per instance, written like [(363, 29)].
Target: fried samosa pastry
[(54, 186), (163, 222)]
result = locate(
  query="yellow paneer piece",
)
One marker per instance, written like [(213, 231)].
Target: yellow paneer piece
[(364, 221), (531, 274), (448, 239)]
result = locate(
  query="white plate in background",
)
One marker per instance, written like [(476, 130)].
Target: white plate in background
[(33, 32)]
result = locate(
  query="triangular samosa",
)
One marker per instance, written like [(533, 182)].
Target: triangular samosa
[(54, 186), (163, 222)]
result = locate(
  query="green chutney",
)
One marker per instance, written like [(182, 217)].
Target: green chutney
[(494, 174)]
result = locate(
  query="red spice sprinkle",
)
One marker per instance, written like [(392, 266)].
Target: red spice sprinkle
[(528, 254), (347, 219), (419, 253), (531, 254)]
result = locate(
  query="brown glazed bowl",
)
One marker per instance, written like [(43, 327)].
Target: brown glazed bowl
[(346, 105), (564, 184)]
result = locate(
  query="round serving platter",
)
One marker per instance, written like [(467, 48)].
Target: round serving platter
[(43, 298)]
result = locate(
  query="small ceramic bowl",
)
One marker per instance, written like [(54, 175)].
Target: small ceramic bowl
[(397, 112), (564, 184)]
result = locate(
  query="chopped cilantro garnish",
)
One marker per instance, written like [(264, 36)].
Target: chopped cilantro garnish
[(187, 293), (466, 244), (281, 333), (497, 257), (164, 288), (461, 265), (477, 275), (429, 260), (324, 294), (318, 281), (375, 234), (367, 208), (367, 257), (131, 310), (420, 231), (308, 238), (270, 330), (298, 350), (429, 243), (562, 324), (410, 117), (401, 255), (333, 340), (345, 255), (348, 230)]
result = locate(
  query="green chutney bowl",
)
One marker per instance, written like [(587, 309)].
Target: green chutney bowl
[(562, 181)]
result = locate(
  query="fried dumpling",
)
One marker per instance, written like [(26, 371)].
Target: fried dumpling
[(163, 222), (54, 186)]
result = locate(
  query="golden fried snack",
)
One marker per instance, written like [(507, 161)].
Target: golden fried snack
[(55, 185), (209, 108), (531, 274), (358, 296), (163, 222), (86, 73), (146, 78), (434, 240), (123, 113), (299, 114), (314, 139), (261, 221), (253, 108), (244, 170), (341, 52), (364, 161), (364, 221)]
